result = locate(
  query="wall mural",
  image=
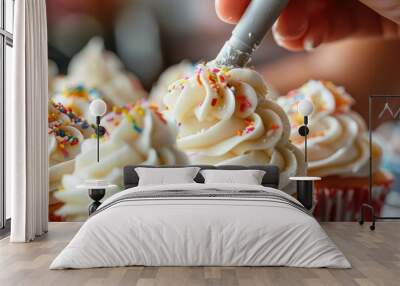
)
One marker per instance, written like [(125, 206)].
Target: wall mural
[(204, 114)]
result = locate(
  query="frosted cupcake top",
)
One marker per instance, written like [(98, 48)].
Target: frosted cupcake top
[(337, 143), (66, 132), (94, 67), (224, 118), (64, 142), (136, 134)]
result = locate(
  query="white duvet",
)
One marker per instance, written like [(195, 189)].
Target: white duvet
[(188, 231)]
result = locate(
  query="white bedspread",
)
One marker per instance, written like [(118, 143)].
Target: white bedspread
[(183, 231)]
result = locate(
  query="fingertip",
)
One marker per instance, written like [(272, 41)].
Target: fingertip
[(292, 24), (307, 39), (230, 11), (290, 45)]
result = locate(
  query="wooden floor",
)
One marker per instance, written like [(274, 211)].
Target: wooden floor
[(375, 257)]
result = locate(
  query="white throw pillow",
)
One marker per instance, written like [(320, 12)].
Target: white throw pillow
[(247, 177), (164, 176)]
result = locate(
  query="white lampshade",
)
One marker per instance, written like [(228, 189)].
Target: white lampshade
[(98, 107), (305, 107)]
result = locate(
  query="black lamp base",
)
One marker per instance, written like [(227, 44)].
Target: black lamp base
[(303, 130), (96, 195), (100, 131)]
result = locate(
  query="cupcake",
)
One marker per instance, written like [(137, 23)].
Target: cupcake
[(183, 70), (390, 134), (95, 68), (136, 134), (66, 132), (338, 150), (224, 118)]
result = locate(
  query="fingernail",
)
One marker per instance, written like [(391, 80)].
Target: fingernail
[(278, 39), (309, 45)]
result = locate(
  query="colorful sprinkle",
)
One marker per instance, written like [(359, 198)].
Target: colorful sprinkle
[(158, 113), (198, 79), (317, 134), (275, 126), (248, 121), (225, 70), (139, 110), (244, 104), (137, 128), (248, 129), (239, 132), (179, 84)]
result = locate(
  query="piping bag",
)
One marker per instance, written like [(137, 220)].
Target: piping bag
[(248, 34)]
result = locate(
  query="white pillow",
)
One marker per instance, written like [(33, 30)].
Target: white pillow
[(248, 177), (164, 176)]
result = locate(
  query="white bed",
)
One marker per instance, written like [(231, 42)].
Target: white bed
[(224, 225)]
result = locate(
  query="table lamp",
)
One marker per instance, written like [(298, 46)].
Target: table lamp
[(98, 108), (305, 108)]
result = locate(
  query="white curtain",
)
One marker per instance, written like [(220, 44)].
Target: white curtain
[(26, 124)]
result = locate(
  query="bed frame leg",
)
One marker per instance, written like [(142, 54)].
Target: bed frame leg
[(362, 219)]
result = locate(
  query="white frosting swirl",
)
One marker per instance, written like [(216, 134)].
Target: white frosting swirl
[(224, 117), (183, 70), (135, 135), (337, 143)]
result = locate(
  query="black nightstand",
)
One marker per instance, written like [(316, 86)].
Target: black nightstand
[(305, 186), (97, 191)]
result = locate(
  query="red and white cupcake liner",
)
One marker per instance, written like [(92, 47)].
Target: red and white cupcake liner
[(334, 204)]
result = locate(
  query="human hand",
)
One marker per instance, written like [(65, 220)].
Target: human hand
[(305, 24)]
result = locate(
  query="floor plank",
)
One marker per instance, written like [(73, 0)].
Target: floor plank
[(375, 257)]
